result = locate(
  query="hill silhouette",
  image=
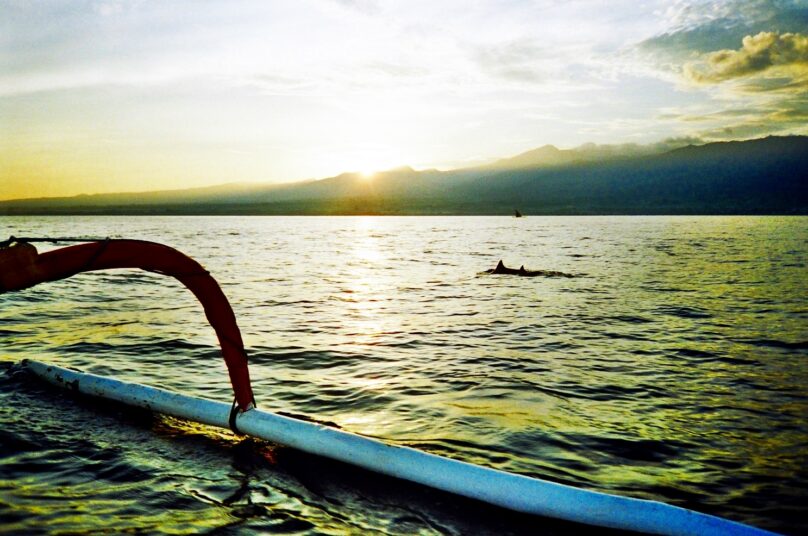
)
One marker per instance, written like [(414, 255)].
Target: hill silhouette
[(763, 176)]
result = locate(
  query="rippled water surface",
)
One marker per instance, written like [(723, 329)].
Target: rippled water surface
[(672, 366)]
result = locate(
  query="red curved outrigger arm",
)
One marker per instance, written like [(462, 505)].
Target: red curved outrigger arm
[(21, 266)]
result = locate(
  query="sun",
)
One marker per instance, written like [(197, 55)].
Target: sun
[(371, 164), (368, 165)]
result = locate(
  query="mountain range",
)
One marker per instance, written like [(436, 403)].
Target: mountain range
[(762, 176)]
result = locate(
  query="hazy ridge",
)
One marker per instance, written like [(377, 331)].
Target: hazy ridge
[(763, 176)]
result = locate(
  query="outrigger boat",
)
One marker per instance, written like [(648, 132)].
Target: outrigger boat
[(21, 266)]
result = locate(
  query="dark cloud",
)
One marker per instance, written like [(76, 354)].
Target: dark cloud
[(781, 84), (759, 53), (796, 113)]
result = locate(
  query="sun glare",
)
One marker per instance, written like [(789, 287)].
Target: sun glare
[(372, 163)]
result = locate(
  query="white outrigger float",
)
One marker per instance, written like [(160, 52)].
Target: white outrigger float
[(21, 267)]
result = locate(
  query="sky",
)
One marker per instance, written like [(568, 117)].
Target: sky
[(107, 96)]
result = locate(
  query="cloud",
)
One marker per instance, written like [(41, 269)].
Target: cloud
[(515, 60), (274, 84), (396, 70), (787, 52), (761, 126), (720, 115), (784, 114), (669, 144), (749, 58), (364, 6), (530, 64), (701, 27)]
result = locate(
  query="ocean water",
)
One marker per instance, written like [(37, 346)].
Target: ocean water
[(672, 366)]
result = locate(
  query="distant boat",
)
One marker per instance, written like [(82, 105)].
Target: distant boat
[(516, 213)]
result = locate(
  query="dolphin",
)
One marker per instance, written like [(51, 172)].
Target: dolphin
[(501, 269)]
